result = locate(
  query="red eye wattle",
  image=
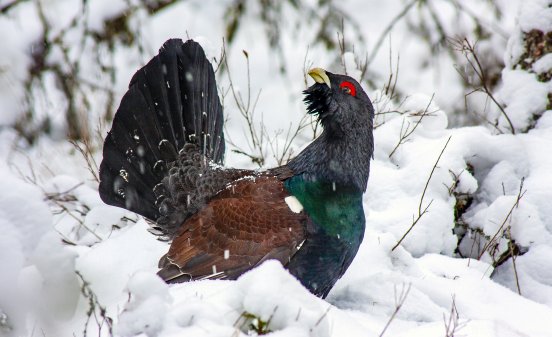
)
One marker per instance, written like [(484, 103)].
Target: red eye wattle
[(348, 88)]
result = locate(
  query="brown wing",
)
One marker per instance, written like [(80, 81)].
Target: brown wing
[(245, 224)]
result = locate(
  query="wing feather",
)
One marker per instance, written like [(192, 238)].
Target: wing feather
[(246, 224)]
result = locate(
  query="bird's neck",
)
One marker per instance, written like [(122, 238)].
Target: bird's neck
[(343, 160)]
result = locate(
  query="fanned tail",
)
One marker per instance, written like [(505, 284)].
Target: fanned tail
[(171, 101)]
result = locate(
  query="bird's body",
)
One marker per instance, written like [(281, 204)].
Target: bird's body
[(163, 159)]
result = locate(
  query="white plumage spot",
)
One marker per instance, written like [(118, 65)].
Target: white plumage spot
[(293, 204), (189, 76), (226, 254)]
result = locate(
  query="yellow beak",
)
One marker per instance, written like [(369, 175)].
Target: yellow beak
[(319, 76)]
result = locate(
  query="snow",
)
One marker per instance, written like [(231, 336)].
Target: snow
[(291, 310), (536, 14), (27, 239), (149, 298), (99, 11), (60, 285), (18, 36), (523, 95), (543, 64), (70, 262)]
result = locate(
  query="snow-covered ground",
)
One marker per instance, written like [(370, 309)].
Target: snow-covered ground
[(70, 265)]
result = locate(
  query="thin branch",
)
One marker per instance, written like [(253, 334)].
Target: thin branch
[(399, 302), (60, 195), (306, 67), (5, 8), (391, 85), (341, 43), (414, 222), (499, 30), (247, 110), (493, 239), (513, 254), (86, 151), (420, 212), (468, 50), (431, 174), (321, 317), (405, 133), (387, 29), (94, 309), (453, 324)]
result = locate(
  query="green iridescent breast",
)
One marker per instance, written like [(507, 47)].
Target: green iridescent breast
[(334, 208)]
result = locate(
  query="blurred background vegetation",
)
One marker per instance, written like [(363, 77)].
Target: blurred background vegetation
[(62, 54)]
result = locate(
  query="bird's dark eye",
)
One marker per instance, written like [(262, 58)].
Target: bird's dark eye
[(348, 88)]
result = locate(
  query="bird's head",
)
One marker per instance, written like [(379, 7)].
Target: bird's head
[(342, 152), (340, 102)]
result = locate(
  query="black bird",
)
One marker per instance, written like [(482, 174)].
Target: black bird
[(163, 159)]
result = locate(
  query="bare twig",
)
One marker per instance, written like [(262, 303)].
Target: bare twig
[(80, 221), (306, 67), (388, 29), (65, 195), (283, 155), (452, 324), (480, 118), (493, 240), (468, 49), (221, 62), (479, 19), (341, 43), (513, 254), (6, 7), (85, 150), (431, 174), (247, 111), (313, 123), (321, 318), (384, 107), (258, 134), (393, 75), (424, 211), (94, 309), (399, 302), (361, 64), (408, 131)]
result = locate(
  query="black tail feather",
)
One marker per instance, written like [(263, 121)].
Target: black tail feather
[(171, 101)]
